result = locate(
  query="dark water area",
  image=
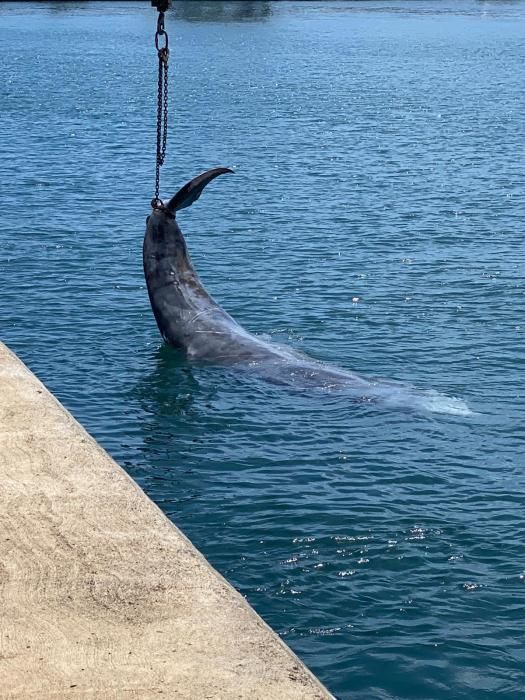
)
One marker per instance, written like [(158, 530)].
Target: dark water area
[(375, 221)]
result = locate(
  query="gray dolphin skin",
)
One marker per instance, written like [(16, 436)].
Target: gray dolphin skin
[(189, 319)]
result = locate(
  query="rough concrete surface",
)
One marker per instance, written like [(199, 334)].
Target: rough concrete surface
[(100, 595)]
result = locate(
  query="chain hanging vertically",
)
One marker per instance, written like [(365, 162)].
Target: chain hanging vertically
[(162, 103)]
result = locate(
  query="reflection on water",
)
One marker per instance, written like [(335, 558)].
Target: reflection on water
[(170, 388), (218, 11), (62, 7)]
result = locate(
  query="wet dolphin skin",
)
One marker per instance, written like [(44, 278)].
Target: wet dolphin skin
[(189, 319)]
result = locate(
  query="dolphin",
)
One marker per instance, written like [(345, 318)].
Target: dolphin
[(191, 320)]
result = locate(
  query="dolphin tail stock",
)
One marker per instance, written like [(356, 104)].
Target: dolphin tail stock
[(192, 190)]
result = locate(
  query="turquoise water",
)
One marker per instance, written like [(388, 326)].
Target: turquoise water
[(379, 156)]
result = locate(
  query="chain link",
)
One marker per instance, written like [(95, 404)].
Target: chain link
[(162, 105)]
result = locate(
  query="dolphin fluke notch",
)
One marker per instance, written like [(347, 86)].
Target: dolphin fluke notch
[(192, 190)]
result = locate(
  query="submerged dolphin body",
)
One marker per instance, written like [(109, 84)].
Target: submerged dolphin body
[(188, 318)]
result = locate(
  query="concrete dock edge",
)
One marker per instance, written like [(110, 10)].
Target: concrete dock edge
[(101, 596)]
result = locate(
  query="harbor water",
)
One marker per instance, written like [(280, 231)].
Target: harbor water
[(375, 221)]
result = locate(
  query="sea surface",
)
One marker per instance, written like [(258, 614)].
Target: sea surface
[(375, 221)]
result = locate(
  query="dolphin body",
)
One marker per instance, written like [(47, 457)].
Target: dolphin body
[(191, 320)]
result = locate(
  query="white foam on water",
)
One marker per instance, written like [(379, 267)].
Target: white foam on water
[(440, 403), (430, 400)]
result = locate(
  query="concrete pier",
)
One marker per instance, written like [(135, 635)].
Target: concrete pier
[(100, 595)]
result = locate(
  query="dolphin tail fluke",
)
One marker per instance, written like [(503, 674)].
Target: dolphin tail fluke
[(192, 190)]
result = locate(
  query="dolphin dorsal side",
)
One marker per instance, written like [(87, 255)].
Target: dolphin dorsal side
[(191, 320), (192, 190)]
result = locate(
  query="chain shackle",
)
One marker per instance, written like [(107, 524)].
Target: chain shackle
[(161, 32), (161, 5)]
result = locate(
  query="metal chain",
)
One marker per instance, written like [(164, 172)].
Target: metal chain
[(162, 105), (165, 109)]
